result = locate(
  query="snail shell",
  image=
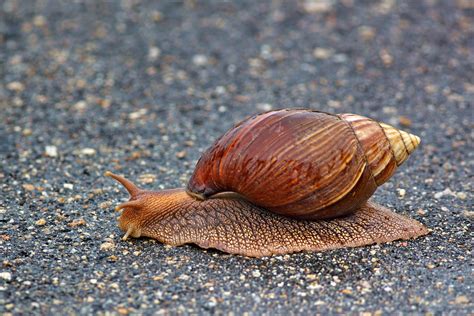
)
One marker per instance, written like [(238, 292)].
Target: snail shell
[(301, 163)]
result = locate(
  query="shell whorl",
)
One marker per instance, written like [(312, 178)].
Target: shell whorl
[(385, 146), (402, 143)]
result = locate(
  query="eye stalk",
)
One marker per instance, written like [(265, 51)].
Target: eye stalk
[(132, 189)]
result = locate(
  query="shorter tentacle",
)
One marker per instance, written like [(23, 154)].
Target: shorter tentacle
[(135, 204), (129, 231)]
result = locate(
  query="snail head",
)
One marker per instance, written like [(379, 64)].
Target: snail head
[(146, 207), (133, 211)]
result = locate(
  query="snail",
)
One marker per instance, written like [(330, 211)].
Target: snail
[(279, 182)]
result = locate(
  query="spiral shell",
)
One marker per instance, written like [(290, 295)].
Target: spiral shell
[(302, 163)]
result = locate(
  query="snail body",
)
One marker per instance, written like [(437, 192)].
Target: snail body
[(280, 182)]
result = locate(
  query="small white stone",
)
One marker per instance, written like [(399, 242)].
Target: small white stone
[(153, 53), (445, 192), (264, 107), (6, 276), (80, 106), (138, 114), (256, 273), (220, 90), (317, 6), (401, 193), (68, 186), (51, 151), (106, 246), (461, 195), (314, 286), (16, 86), (184, 277), (222, 109), (322, 53), (200, 60), (88, 151)]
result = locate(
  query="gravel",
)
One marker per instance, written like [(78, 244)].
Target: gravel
[(142, 88)]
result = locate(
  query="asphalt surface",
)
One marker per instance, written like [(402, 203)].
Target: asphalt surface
[(142, 89)]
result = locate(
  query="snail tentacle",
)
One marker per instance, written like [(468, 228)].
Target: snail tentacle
[(134, 204), (132, 189), (128, 233)]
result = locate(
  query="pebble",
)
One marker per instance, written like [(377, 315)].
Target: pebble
[(153, 53), (317, 6), (386, 57), (157, 16), (181, 154), (461, 299), (41, 222), (87, 151), (314, 286), (77, 222), (405, 121), (16, 86), (6, 276), (51, 151), (200, 60), (106, 246), (264, 107), (27, 132), (256, 273), (80, 106), (147, 178), (138, 114), (106, 204), (68, 186), (322, 53), (220, 90), (468, 214), (461, 195), (28, 187), (421, 212), (366, 33), (401, 193), (445, 192)]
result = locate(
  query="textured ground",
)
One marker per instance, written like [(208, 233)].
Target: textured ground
[(143, 88)]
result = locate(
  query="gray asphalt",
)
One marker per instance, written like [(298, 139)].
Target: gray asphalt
[(142, 88)]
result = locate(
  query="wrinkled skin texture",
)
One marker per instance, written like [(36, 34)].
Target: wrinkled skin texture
[(236, 226)]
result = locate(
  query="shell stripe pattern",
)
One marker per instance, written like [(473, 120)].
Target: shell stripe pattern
[(374, 142)]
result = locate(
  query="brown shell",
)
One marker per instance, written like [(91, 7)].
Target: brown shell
[(300, 163)]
